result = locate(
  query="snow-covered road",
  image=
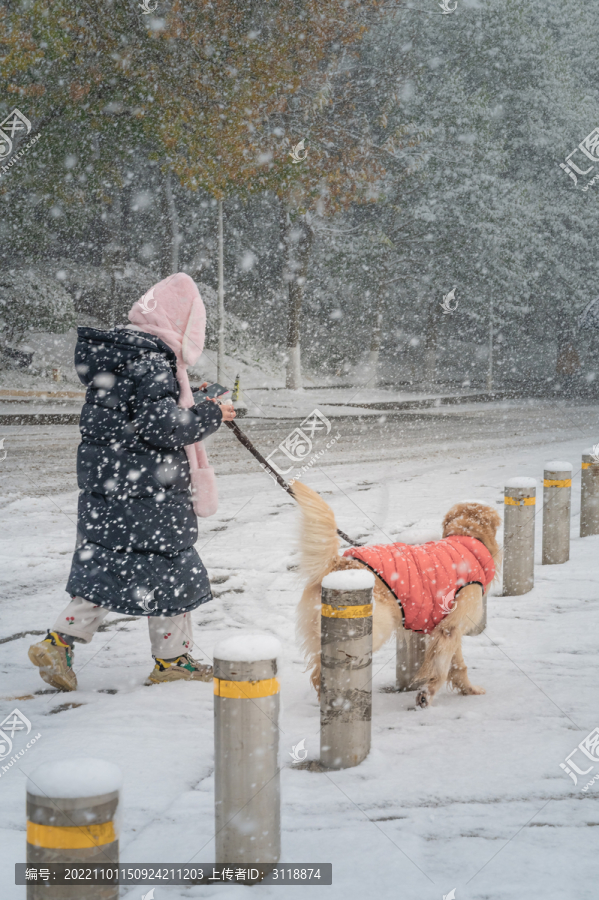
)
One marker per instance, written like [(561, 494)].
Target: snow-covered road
[(468, 794)]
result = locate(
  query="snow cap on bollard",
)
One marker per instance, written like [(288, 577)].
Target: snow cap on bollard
[(349, 580), (557, 465), (248, 648), (521, 482), (79, 777)]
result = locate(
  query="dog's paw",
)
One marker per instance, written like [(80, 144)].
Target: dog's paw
[(474, 689), (422, 699)]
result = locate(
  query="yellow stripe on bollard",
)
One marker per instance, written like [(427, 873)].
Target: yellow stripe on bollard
[(346, 612), (246, 690), (71, 837), (526, 501), (553, 482), (590, 465)]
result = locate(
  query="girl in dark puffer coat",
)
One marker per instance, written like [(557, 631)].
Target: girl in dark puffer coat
[(143, 477)]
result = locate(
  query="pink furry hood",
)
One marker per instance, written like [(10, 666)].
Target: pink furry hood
[(174, 311)]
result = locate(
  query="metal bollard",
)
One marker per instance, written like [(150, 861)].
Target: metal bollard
[(72, 810), (410, 650), (247, 793), (589, 494), (478, 629), (346, 673), (519, 536), (557, 488)]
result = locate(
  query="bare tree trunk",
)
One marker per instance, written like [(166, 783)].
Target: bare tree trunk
[(169, 256), (220, 369), (297, 238), (127, 221), (377, 328), (113, 253), (490, 366), (430, 346)]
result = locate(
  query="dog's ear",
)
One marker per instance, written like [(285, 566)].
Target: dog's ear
[(471, 518), (475, 520)]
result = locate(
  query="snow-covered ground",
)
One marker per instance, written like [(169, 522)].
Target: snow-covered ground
[(468, 794)]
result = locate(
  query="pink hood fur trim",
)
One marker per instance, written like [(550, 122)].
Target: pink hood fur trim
[(174, 311)]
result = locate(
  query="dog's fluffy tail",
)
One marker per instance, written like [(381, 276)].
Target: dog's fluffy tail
[(319, 541), (319, 550)]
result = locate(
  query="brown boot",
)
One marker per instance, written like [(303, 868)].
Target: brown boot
[(184, 668), (54, 658)]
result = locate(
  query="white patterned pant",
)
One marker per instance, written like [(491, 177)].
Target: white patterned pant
[(170, 636)]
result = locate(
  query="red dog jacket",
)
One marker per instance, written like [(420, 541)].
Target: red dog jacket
[(426, 578)]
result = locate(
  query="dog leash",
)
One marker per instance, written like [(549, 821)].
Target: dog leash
[(244, 439)]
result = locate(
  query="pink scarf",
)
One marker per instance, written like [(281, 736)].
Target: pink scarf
[(174, 311)]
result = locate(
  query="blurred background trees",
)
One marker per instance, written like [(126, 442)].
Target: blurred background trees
[(432, 142)]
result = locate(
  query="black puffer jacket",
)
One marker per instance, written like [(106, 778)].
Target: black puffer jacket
[(136, 525)]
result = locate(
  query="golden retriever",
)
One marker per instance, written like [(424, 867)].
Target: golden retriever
[(443, 660)]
